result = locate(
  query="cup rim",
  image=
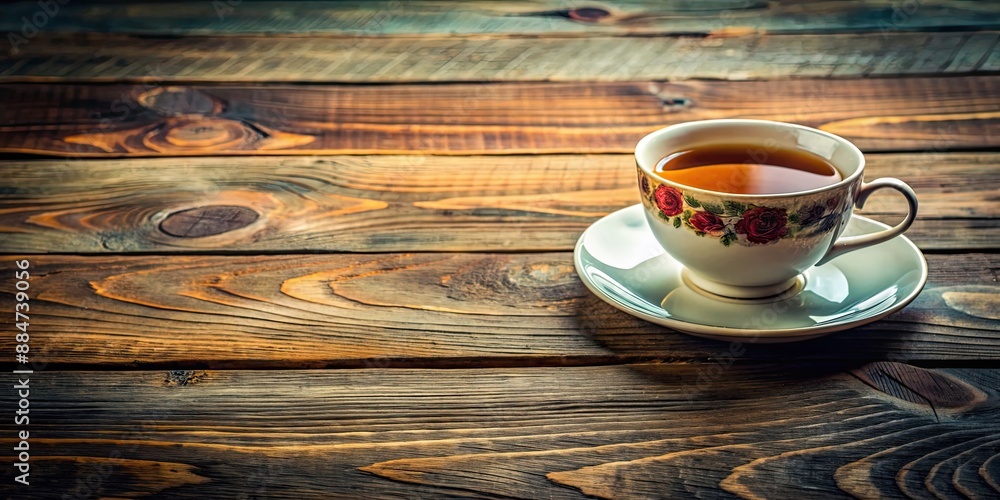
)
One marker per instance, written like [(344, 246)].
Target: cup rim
[(650, 137)]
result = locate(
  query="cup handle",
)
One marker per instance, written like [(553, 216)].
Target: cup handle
[(851, 243)]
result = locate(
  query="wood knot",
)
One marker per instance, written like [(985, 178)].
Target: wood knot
[(980, 301), (197, 134), (172, 101), (921, 386), (184, 377), (588, 14), (502, 281), (207, 133), (207, 221)]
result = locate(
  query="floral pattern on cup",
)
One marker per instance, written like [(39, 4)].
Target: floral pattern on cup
[(745, 224)]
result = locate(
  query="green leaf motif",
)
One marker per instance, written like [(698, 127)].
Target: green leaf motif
[(734, 208), (727, 238), (687, 215), (699, 233), (715, 209), (691, 201), (793, 218), (677, 222)]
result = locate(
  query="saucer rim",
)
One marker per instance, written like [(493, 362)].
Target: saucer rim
[(773, 334)]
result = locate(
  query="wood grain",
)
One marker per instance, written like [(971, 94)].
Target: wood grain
[(523, 17), (405, 203), (425, 309), (491, 373), (612, 432), (149, 119), (725, 56)]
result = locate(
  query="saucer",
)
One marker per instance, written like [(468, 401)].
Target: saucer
[(620, 262)]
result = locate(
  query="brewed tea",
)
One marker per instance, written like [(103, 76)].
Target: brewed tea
[(748, 169)]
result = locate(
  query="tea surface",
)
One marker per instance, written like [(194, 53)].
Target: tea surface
[(748, 169)]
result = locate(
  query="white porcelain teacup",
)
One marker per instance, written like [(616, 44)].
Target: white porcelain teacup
[(756, 245)]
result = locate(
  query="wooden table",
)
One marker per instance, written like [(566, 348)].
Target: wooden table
[(323, 249)]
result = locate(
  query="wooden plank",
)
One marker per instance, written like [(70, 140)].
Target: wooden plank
[(785, 431), (923, 114), (524, 17), (428, 309), (142, 59), (403, 203)]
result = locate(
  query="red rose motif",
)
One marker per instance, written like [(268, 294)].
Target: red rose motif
[(707, 222), (762, 224), (644, 184), (669, 200)]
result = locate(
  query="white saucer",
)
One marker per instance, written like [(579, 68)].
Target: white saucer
[(620, 262)]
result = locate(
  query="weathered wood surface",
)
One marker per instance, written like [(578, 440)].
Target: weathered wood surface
[(611, 432), (522, 17), (150, 119), (115, 58), (493, 372), (404, 203), (429, 309)]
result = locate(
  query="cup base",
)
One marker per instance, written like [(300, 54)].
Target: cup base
[(741, 292)]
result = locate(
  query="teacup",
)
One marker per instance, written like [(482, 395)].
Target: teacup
[(757, 245)]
